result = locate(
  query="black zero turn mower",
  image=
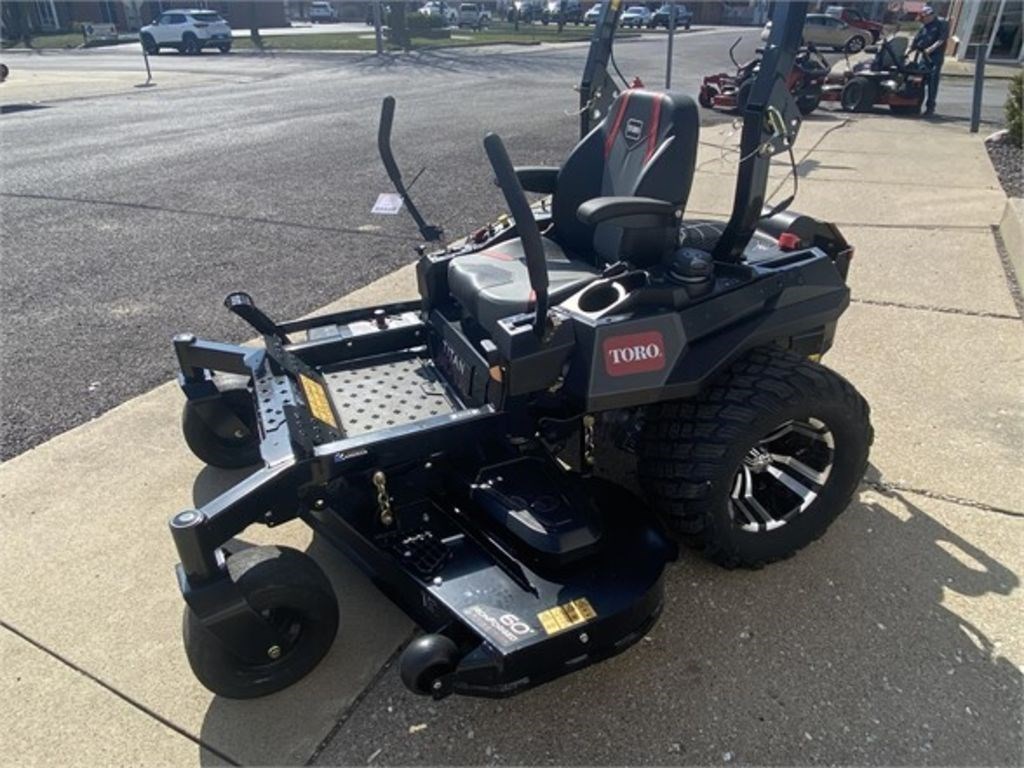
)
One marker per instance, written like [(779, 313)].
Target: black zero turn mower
[(449, 445)]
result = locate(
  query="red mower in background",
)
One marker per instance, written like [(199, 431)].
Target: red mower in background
[(892, 78), (730, 92)]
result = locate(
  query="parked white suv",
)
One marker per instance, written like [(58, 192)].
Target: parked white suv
[(441, 9), (473, 15), (322, 12), (189, 31)]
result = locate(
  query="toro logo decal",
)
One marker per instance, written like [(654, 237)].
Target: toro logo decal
[(634, 130), (634, 353)]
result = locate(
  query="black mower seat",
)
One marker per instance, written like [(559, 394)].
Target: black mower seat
[(494, 283), (645, 147)]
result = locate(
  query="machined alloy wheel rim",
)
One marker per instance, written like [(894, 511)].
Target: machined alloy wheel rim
[(781, 475)]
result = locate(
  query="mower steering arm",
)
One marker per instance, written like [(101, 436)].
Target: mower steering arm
[(529, 234)]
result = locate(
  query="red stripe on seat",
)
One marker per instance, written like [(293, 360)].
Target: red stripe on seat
[(623, 101), (652, 137)]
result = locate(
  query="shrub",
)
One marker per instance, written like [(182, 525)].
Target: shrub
[(1015, 110), (422, 21)]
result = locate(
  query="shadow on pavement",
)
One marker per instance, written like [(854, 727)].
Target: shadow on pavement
[(849, 652)]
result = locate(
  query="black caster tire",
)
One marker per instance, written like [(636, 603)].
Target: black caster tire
[(287, 587), (807, 104), (425, 660), (858, 95), (761, 463), (241, 450)]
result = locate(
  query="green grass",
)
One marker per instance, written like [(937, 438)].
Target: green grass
[(68, 40), (364, 41)]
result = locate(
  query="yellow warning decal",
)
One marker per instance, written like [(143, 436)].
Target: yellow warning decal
[(565, 616), (316, 399)]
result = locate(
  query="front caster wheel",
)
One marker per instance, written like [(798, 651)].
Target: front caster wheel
[(222, 431), (762, 462), (290, 591), (425, 662)]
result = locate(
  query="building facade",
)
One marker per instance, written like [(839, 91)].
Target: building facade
[(992, 24)]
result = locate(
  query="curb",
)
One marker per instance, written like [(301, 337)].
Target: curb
[(970, 76), (1011, 229)]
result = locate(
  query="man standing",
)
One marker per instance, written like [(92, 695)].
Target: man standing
[(931, 41)]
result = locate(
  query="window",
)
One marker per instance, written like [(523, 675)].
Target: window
[(208, 16), (107, 12)]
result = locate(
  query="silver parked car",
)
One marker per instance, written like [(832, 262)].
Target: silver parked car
[(636, 16), (824, 31)]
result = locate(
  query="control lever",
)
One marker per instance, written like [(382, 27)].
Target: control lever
[(241, 304), (529, 234), (429, 232)]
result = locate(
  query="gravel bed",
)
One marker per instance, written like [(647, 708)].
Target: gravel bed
[(1008, 161)]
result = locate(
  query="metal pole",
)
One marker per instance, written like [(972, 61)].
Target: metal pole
[(376, 27), (979, 84), (671, 39)]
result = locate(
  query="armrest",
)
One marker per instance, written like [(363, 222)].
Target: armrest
[(628, 212), (537, 178)]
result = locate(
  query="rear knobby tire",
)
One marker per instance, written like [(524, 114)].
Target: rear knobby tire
[(693, 452), (288, 588)]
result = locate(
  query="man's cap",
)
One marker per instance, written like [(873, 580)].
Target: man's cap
[(927, 11)]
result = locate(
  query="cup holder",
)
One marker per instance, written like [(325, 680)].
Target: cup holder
[(600, 296)]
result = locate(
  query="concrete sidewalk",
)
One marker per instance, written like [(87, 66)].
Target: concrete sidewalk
[(897, 639)]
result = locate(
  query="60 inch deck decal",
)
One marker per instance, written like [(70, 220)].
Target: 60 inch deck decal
[(502, 627), (563, 617), (317, 401)]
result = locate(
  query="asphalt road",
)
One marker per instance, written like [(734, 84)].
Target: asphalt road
[(127, 218)]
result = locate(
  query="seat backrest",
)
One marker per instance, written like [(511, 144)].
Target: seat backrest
[(646, 146), (892, 52)]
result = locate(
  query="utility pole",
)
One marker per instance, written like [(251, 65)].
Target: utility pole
[(979, 85), (376, 27), (671, 39)]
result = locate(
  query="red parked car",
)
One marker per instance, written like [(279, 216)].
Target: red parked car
[(856, 19)]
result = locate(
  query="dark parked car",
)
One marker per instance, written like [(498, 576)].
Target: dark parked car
[(661, 17), (856, 19)]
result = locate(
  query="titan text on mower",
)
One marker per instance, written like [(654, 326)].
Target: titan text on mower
[(451, 447)]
